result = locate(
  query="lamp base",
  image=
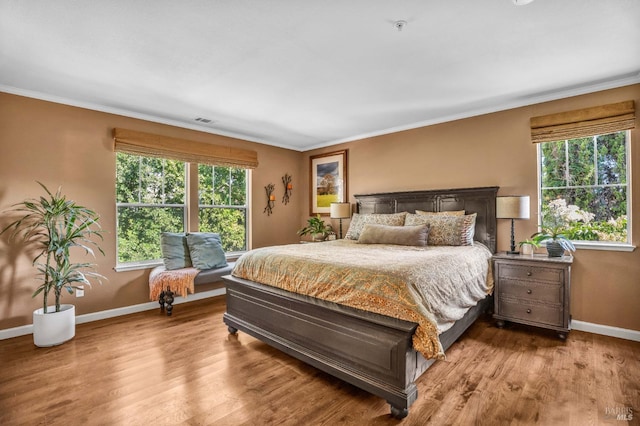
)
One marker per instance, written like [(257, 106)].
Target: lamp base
[(513, 252)]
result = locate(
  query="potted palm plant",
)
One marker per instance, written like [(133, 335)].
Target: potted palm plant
[(51, 226), (316, 228)]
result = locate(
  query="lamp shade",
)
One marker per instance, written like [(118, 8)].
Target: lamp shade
[(512, 207), (340, 210)]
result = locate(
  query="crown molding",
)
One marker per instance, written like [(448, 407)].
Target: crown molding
[(137, 115), (555, 95), (567, 92)]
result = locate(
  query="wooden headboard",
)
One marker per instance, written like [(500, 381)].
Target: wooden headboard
[(472, 200)]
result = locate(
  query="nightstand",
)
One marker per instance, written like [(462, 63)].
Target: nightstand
[(533, 290)]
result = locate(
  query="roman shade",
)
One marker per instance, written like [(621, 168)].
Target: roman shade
[(150, 145), (583, 122)]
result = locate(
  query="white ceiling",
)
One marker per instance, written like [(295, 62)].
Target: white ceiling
[(304, 74)]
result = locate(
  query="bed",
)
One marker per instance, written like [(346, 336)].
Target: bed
[(372, 351)]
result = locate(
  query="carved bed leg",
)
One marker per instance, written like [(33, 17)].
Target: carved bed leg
[(399, 413), (232, 330), (169, 299), (161, 301)]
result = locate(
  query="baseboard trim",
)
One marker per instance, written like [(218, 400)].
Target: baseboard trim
[(606, 330), (112, 313)]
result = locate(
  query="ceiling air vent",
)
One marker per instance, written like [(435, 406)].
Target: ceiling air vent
[(203, 120)]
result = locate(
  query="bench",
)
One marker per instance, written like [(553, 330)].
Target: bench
[(205, 276)]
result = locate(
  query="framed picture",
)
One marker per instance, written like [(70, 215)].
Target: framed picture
[(328, 181)]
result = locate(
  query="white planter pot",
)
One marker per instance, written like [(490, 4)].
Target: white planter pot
[(54, 328), (527, 250)]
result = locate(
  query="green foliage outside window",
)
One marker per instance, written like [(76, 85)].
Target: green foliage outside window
[(222, 193), (139, 231), (149, 180), (584, 184), (151, 198)]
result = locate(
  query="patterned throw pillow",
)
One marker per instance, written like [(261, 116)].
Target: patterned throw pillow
[(359, 220), (446, 230)]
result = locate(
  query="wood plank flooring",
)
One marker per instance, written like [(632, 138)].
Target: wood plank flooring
[(149, 369)]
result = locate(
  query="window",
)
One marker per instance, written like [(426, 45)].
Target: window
[(584, 187), (151, 198), (222, 193)]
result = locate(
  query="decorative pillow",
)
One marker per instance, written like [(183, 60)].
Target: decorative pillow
[(359, 220), (399, 235), (175, 252), (445, 213), (206, 250), (446, 230)]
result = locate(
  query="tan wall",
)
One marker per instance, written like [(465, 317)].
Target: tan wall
[(62, 145), (72, 147), (495, 150)]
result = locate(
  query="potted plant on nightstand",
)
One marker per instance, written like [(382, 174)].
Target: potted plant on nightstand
[(316, 228), (556, 218), (528, 246), (51, 226), (556, 241)]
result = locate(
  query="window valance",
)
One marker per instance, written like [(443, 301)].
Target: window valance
[(583, 122), (150, 145)]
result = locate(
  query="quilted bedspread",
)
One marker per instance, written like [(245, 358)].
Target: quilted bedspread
[(431, 286)]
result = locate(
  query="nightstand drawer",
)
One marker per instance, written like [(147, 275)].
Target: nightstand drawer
[(530, 290), (531, 273), (551, 315)]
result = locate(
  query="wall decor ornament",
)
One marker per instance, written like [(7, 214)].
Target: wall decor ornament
[(288, 186), (327, 181), (271, 199)]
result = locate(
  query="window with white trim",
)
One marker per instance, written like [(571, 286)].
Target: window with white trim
[(584, 187), (222, 194), (151, 199)]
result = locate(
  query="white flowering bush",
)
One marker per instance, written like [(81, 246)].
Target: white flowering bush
[(578, 225), (559, 214)]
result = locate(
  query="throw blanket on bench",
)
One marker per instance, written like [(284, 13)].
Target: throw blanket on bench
[(179, 280)]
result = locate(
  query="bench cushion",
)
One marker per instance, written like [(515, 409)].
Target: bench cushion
[(213, 275)]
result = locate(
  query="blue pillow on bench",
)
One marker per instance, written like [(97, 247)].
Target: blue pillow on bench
[(175, 252), (206, 250)]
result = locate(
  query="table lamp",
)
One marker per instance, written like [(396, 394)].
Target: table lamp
[(340, 211), (512, 207)]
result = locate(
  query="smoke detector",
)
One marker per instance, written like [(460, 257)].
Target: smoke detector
[(399, 25)]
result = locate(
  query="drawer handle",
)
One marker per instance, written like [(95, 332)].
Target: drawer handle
[(529, 291), (529, 273), (528, 311)]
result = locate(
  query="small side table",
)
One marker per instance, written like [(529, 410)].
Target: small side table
[(534, 290)]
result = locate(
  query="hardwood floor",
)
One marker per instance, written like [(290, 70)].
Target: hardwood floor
[(149, 369)]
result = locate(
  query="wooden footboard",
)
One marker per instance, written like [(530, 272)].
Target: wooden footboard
[(370, 351)]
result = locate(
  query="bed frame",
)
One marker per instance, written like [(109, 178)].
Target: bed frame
[(371, 351)]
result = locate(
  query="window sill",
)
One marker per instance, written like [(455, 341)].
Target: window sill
[(150, 264), (135, 266), (585, 245)]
